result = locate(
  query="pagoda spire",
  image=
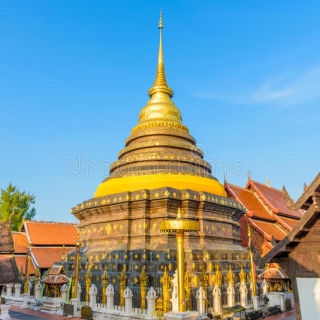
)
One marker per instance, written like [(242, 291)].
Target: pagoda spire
[(160, 83)]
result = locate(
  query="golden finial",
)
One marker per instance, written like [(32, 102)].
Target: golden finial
[(242, 275), (160, 83), (160, 20), (160, 106)]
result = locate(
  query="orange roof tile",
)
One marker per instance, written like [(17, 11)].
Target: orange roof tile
[(251, 202), (20, 242), (290, 222), (51, 233), (275, 198), (21, 262), (271, 229), (46, 257)]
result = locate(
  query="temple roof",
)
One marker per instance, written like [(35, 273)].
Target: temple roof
[(310, 199), (274, 197), (273, 274), (8, 269), (266, 212), (6, 241), (21, 264), (20, 242), (56, 276), (248, 198), (51, 233), (46, 257)]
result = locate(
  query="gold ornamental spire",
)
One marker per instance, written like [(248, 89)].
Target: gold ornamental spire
[(160, 107), (160, 83)]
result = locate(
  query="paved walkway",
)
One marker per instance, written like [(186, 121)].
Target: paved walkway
[(291, 315), (26, 314)]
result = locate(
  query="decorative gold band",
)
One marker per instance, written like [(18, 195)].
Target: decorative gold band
[(153, 124)]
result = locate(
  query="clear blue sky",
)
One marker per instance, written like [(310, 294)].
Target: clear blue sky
[(74, 76)]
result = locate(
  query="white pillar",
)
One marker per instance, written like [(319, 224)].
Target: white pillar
[(93, 296), (243, 295), (255, 303), (17, 290), (216, 299), (110, 297), (174, 297), (79, 292), (75, 303), (25, 297), (5, 311), (29, 287), (231, 295), (254, 298), (201, 301), (9, 290), (264, 287), (38, 290), (63, 290), (151, 301), (127, 300)]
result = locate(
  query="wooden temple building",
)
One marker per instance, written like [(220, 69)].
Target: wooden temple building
[(298, 253), (9, 273), (267, 213), (49, 243), (159, 170)]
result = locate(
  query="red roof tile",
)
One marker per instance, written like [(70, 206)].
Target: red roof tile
[(21, 262), (271, 229), (20, 242), (275, 198), (251, 202), (51, 233), (46, 257)]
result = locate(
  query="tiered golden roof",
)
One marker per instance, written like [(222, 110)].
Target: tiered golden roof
[(160, 152)]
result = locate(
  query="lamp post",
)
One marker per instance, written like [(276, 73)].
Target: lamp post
[(76, 268), (179, 226)]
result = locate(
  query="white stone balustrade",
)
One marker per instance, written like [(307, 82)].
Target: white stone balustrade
[(17, 290), (38, 290), (63, 290), (174, 297), (151, 301), (243, 295), (93, 296), (128, 300), (216, 292), (110, 297), (9, 290), (231, 301), (201, 301)]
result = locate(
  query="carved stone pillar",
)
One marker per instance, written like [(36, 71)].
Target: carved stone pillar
[(93, 296), (110, 297), (201, 301), (216, 299), (151, 300), (128, 300)]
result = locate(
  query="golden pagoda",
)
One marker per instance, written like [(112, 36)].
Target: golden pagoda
[(159, 171)]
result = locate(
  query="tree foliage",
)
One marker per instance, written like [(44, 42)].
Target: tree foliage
[(18, 204)]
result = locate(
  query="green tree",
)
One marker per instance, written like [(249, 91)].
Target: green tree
[(18, 204)]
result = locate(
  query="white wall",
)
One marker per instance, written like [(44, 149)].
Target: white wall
[(309, 296)]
